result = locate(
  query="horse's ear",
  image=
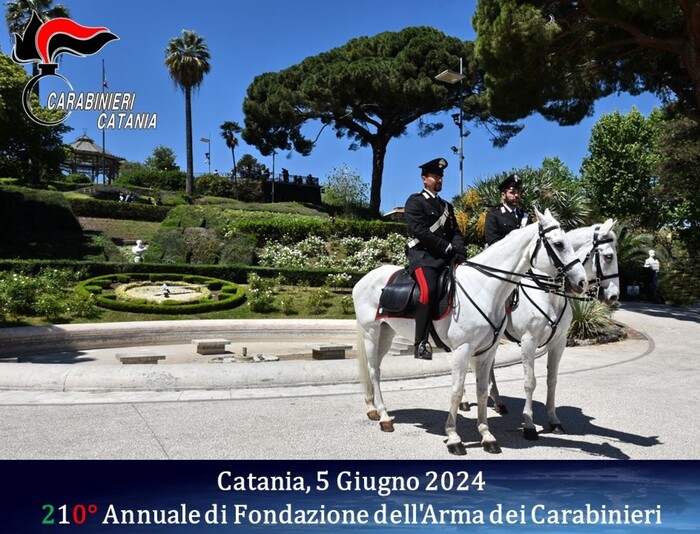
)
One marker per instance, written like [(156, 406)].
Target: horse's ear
[(539, 215), (548, 213), (607, 227)]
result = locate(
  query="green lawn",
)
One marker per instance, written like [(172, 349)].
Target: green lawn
[(120, 229)]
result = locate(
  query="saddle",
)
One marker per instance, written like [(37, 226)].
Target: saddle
[(400, 296)]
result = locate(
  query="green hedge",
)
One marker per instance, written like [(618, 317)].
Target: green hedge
[(271, 226), (109, 209), (230, 295), (234, 273), (148, 178), (38, 224)]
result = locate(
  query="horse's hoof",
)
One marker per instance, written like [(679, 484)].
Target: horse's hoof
[(464, 406), (501, 408), (458, 449), (373, 415), (492, 447), (530, 434), (386, 426), (557, 429)]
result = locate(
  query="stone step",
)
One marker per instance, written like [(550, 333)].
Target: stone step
[(400, 346)]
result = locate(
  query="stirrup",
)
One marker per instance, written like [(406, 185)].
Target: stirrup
[(423, 351)]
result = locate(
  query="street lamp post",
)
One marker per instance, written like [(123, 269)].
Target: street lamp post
[(452, 77), (207, 140)]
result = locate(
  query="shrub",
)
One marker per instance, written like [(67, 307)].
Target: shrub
[(217, 186), (168, 246), (43, 295), (338, 280), (347, 305), (238, 249), (317, 301), (149, 178), (590, 319), (77, 179), (261, 295)]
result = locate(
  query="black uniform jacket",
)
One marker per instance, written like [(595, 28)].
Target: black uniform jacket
[(500, 222), (421, 212)]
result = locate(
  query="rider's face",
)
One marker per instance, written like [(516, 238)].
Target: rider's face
[(432, 182), (511, 196)]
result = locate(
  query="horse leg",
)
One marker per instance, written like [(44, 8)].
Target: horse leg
[(554, 354), (375, 342), (464, 401), (494, 393), (528, 348), (482, 368), (460, 366)]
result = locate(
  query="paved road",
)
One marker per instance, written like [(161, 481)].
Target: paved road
[(631, 400)]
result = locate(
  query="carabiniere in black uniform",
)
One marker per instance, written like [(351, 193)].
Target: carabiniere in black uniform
[(509, 216), (436, 241)]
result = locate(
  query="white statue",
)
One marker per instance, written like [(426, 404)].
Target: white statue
[(651, 262), (139, 249)]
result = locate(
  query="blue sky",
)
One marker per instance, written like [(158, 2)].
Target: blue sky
[(248, 38)]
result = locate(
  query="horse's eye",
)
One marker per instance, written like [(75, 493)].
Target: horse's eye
[(559, 245), (608, 257)]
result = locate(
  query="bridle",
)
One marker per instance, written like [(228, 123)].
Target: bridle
[(561, 268), (543, 283), (595, 254)]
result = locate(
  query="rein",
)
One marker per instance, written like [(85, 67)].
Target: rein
[(543, 283), (594, 252)]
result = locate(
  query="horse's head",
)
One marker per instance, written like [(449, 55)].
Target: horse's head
[(600, 262), (554, 254)]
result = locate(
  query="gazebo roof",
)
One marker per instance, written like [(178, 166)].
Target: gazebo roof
[(85, 145)]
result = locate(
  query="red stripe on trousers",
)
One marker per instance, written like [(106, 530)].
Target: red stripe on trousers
[(422, 285)]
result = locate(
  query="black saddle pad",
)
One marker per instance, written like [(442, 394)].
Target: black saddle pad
[(400, 296)]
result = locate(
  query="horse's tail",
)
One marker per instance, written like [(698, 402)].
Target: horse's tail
[(362, 361)]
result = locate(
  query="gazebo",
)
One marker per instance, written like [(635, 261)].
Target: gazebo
[(89, 159)]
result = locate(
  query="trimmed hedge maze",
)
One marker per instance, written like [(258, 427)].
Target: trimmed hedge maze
[(222, 295)]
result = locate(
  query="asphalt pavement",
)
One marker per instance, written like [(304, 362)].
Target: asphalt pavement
[(634, 399)]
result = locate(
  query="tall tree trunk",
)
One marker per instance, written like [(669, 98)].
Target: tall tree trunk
[(375, 196), (188, 127)]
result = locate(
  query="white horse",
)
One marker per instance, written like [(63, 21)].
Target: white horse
[(475, 322), (541, 320)]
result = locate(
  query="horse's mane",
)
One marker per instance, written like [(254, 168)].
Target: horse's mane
[(575, 234), (499, 247)]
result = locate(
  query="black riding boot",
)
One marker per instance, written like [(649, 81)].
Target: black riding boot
[(421, 347)]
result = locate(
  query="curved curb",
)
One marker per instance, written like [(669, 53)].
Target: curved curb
[(197, 376)]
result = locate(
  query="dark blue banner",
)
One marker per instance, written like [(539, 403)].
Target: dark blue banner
[(367, 496)]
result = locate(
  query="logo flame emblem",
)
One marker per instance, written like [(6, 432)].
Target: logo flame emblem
[(42, 43)]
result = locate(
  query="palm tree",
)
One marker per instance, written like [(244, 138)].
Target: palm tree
[(228, 131), (187, 59), (20, 12)]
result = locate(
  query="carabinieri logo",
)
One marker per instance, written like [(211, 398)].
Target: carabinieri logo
[(42, 43)]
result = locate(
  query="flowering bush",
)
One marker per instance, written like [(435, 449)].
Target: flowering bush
[(282, 256), (338, 279), (261, 293), (347, 253), (317, 301), (346, 304), (46, 294)]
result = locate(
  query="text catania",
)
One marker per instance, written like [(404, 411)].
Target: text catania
[(117, 109)]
